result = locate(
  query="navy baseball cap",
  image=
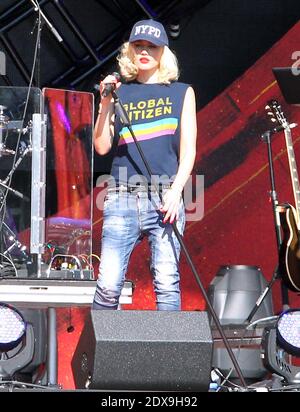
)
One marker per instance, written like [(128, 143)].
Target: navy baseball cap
[(149, 30)]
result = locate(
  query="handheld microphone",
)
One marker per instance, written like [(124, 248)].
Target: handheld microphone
[(109, 87)]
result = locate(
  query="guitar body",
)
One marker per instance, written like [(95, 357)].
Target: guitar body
[(289, 264)]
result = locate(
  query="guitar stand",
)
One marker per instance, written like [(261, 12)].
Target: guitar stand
[(266, 137)]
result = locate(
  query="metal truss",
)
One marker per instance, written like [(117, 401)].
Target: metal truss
[(82, 53)]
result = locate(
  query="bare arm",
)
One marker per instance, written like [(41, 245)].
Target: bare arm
[(188, 136)]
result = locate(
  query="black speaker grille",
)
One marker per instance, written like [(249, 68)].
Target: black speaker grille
[(144, 350)]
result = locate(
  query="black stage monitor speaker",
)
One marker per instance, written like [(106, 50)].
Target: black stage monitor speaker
[(144, 350)]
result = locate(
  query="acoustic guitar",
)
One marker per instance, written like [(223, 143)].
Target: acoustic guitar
[(289, 254)]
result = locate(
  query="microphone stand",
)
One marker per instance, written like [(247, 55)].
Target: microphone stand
[(266, 137), (15, 192), (38, 9), (120, 110)]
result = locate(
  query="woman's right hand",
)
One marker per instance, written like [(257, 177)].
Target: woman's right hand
[(108, 80)]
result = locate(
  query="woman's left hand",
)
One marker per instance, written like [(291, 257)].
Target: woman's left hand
[(171, 203)]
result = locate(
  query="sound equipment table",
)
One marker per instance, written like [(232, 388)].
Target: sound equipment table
[(53, 292)]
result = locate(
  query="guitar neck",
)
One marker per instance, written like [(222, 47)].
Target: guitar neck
[(293, 170)]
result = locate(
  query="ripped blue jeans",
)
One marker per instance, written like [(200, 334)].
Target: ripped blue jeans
[(127, 218)]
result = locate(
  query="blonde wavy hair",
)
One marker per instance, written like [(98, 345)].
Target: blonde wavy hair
[(168, 67)]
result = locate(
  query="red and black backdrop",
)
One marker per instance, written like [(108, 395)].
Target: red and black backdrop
[(226, 50)]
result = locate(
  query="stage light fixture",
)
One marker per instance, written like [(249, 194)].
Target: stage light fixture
[(12, 327), (279, 342), (23, 345), (233, 293), (288, 331)]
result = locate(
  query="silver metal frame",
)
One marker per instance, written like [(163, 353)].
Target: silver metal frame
[(38, 187)]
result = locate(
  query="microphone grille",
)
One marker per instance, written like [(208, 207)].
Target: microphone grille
[(116, 75)]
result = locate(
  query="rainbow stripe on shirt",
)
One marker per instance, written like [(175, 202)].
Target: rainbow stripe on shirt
[(146, 131)]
